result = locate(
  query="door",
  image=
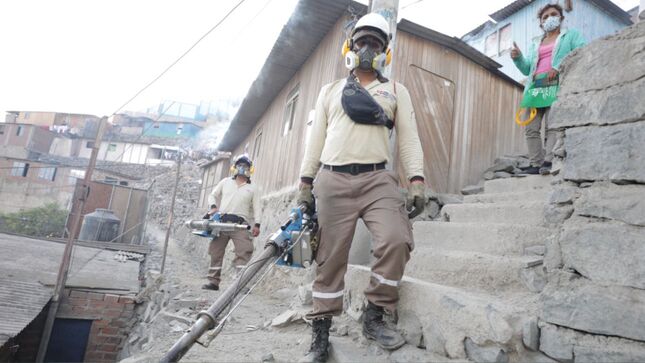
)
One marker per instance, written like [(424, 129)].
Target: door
[(433, 100), (68, 340)]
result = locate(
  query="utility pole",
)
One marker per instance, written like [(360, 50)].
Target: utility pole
[(389, 9), (63, 270), (171, 214)]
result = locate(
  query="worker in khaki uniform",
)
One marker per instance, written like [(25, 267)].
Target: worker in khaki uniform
[(239, 203), (349, 139)]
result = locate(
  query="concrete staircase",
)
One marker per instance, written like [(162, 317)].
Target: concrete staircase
[(472, 281)]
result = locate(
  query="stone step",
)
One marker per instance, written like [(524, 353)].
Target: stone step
[(519, 212), (449, 315), (473, 270), (491, 238), (531, 195), (517, 184)]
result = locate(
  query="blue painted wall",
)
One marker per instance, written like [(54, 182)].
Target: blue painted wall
[(169, 130), (592, 21)]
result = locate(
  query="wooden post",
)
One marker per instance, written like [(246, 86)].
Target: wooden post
[(171, 215), (63, 270)]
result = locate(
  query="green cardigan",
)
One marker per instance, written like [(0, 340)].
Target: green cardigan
[(568, 40)]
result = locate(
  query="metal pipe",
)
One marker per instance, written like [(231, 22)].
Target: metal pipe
[(206, 224), (208, 318)]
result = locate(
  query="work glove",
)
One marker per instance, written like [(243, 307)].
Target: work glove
[(306, 196), (416, 200)]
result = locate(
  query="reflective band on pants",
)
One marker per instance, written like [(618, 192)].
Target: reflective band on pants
[(327, 295), (385, 281)]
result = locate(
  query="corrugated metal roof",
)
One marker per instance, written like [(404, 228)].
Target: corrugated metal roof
[(20, 304), (307, 26), (296, 42), (605, 5)]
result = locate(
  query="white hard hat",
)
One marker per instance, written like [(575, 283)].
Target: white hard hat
[(372, 24)]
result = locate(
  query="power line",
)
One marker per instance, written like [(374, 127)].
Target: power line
[(180, 58)]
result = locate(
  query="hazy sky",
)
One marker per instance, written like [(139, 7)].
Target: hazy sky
[(91, 56)]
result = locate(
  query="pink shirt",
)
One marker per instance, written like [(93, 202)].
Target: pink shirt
[(544, 58)]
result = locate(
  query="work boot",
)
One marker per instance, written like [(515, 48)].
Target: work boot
[(545, 169), (210, 286), (375, 328), (319, 349)]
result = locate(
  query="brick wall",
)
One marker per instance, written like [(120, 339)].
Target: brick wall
[(113, 317)]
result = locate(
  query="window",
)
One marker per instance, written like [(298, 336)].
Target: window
[(490, 47), (179, 128), (19, 169), (47, 173), (111, 147), (290, 109), (2, 129), (19, 131), (505, 39), (89, 144), (257, 144), (26, 115)]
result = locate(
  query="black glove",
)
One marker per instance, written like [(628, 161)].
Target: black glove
[(306, 196), (416, 200)]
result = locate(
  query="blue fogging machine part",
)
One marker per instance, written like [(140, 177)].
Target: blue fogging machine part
[(297, 237)]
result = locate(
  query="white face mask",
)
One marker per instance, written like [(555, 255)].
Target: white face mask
[(551, 23)]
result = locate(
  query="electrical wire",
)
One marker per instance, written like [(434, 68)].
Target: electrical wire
[(180, 58)]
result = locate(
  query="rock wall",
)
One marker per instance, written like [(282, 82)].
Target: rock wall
[(593, 307)]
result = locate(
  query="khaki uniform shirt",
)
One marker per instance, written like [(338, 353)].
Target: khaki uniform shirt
[(242, 200), (337, 140)]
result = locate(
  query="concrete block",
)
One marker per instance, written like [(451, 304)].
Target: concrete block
[(531, 333), (453, 312), (605, 252), (478, 353), (579, 304), (613, 153), (533, 278), (522, 184), (556, 214), (563, 194), (479, 271), (619, 104), (518, 212), (527, 196), (569, 345), (557, 343), (625, 203), (491, 238)]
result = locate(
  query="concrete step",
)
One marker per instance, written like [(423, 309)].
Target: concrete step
[(473, 270), (517, 184), (449, 315), (531, 195), (518, 212), (491, 238)]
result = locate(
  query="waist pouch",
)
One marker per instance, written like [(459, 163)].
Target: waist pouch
[(232, 218), (361, 107), (542, 92)]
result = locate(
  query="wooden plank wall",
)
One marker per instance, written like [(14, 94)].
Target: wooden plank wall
[(484, 107)]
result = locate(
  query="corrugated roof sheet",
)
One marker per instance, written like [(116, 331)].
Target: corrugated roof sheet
[(299, 39), (20, 304), (605, 5), (310, 22)]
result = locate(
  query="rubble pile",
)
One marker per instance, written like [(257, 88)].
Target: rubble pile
[(187, 199)]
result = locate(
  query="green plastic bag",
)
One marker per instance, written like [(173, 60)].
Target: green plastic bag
[(542, 92)]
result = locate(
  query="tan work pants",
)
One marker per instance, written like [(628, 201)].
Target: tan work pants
[(537, 154), (342, 199), (243, 251)]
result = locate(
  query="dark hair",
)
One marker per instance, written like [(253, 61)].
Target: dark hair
[(549, 6)]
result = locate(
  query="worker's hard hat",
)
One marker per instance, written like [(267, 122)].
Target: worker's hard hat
[(372, 24), (243, 158)]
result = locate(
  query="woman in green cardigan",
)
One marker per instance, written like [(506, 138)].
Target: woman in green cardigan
[(542, 66)]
